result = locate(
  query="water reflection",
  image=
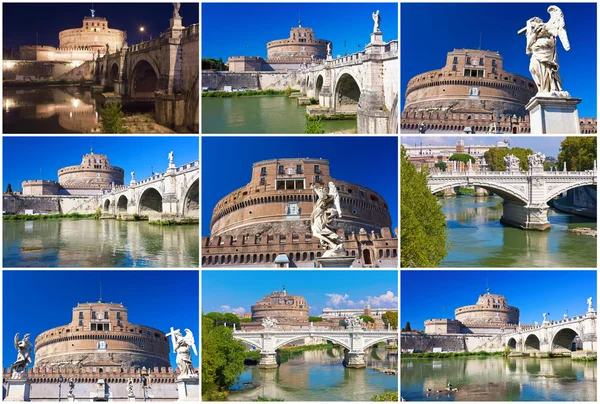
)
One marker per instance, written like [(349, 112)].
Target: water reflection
[(499, 379), (49, 110), (98, 243), (318, 376), (478, 239)]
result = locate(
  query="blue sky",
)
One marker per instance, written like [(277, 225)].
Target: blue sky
[(236, 291), (228, 27), (35, 301), (369, 161), (548, 145), (138, 154), (431, 30), (425, 294)]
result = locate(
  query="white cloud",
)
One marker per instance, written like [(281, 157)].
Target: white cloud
[(228, 309), (336, 299), (386, 300)]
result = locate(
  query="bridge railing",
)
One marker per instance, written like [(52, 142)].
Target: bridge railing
[(564, 321), (512, 173)]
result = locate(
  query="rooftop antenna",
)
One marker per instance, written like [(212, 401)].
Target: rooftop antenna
[(299, 20), (100, 300), (487, 285), (480, 41), (91, 147)]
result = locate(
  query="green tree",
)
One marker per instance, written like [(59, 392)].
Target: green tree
[(113, 118), (9, 189), (343, 323), (495, 158), (245, 320), (579, 152), (407, 327), (315, 319), (367, 319), (522, 154), (442, 166), (314, 125), (462, 157), (391, 318), (423, 230), (222, 359)]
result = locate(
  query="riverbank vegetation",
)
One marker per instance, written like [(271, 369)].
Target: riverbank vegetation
[(423, 233), (50, 216), (585, 358), (248, 93), (112, 118), (387, 396), (172, 222), (425, 355), (314, 125)]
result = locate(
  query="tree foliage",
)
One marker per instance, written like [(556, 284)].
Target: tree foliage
[(214, 64), (9, 189), (315, 318), (407, 327), (442, 166), (579, 152), (423, 229), (228, 319), (112, 118), (367, 319), (462, 157), (390, 317), (222, 359), (314, 125), (495, 158)]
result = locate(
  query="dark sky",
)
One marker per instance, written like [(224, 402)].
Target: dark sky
[(21, 21)]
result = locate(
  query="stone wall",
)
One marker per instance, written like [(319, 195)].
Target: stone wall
[(250, 80), (84, 71), (50, 204), (39, 70), (451, 342)]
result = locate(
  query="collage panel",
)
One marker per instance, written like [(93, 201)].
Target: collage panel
[(499, 201), (513, 342), (88, 202), (98, 340), (311, 68), (101, 68), (300, 335), (529, 68), (310, 202)]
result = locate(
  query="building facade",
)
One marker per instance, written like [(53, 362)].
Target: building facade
[(92, 177), (347, 313), (472, 93), (270, 216)]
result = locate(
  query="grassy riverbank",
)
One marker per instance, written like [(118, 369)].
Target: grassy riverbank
[(51, 216), (172, 222), (227, 94), (426, 355), (387, 396)]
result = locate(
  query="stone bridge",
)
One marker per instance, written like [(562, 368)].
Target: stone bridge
[(164, 70), (525, 194), (555, 336), (174, 193), (354, 340), (364, 83)]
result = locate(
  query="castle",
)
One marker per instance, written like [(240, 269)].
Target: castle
[(267, 222), (472, 93)]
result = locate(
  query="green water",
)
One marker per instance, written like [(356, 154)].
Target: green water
[(478, 239), (98, 243), (318, 376), (498, 379), (268, 114)]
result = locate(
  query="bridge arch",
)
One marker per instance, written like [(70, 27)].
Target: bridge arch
[(381, 339), (191, 200), (559, 190), (302, 336), (347, 93), (150, 201), (122, 204), (318, 86), (114, 74), (505, 192), (107, 205), (143, 79), (532, 343), (563, 340), (512, 343)]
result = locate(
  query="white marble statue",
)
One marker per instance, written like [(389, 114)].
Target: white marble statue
[(541, 45), (71, 386), (545, 316), (182, 346), (564, 316), (269, 323), (589, 303), (93, 11), (376, 21), (176, 7), (325, 210), (329, 49), (23, 348), (353, 322), (512, 162), (536, 160), (130, 387), (132, 176), (171, 158)]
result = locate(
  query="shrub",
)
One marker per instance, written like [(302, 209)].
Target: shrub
[(313, 101), (113, 118), (314, 125), (98, 213), (288, 91)]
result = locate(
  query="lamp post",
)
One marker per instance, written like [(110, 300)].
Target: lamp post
[(142, 29), (60, 380)]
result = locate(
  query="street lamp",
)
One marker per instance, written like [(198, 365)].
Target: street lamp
[(142, 29), (60, 380)]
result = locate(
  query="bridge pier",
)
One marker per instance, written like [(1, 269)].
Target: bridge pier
[(525, 217), (354, 359), (268, 360)]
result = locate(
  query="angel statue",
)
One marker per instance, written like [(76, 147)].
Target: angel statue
[(71, 386), (541, 45), (23, 348), (589, 303), (171, 157), (324, 211), (376, 20), (176, 7), (269, 322), (181, 346), (130, 387)]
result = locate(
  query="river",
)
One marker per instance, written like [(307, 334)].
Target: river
[(318, 376), (260, 114), (499, 379), (98, 243), (478, 239)]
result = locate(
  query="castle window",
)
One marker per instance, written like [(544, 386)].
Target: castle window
[(493, 69), (317, 169), (481, 61), (93, 315), (362, 193), (299, 169), (119, 315), (106, 314), (468, 60), (263, 171), (81, 314), (455, 61), (119, 322), (281, 170), (494, 62), (81, 323), (317, 178), (453, 68), (263, 181)]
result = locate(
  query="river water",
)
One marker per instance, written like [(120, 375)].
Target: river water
[(319, 376), (499, 379), (268, 114), (98, 243), (477, 239)]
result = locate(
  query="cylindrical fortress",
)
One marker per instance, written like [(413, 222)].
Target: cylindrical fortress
[(94, 34), (472, 81), (279, 200), (301, 46), (100, 335), (94, 171), (490, 308), (282, 307)]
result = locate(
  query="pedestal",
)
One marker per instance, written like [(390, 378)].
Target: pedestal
[(71, 399), (176, 22), (188, 389), (335, 262), (268, 361), (354, 360), (557, 115), (131, 398), (377, 37), (525, 217), (17, 390)]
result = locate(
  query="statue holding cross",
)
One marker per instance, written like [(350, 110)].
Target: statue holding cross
[(182, 344)]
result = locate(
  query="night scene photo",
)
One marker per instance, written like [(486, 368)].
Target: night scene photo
[(100, 68)]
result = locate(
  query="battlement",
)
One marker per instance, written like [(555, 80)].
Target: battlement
[(39, 182)]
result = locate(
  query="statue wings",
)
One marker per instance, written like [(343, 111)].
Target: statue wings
[(189, 339), (333, 192), (556, 26), (16, 340)]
